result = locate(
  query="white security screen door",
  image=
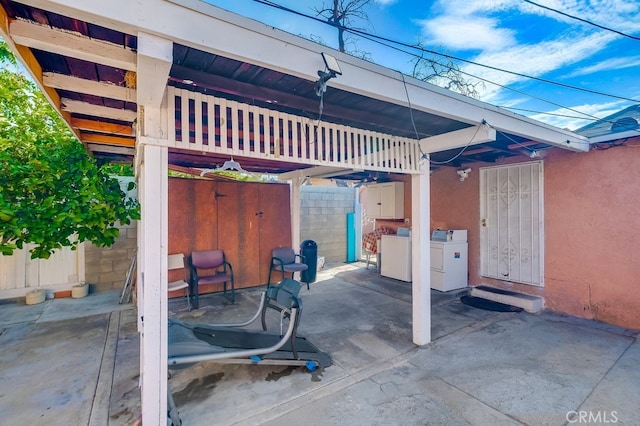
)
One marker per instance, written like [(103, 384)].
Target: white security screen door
[(512, 223)]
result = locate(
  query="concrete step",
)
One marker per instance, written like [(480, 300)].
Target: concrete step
[(529, 303)]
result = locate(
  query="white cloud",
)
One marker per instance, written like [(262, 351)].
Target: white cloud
[(466, 7), (460, 33), (459, 25), (620, 15), (570, 119), (608, 65), (534, 59), (385, 2)]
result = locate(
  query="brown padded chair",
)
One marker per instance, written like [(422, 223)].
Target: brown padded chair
[(210, 267), (284, 260)]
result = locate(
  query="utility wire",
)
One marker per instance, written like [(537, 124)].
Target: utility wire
[(433, 52), (591, 117), (581, 20), (549, 113), (543, 80), (379, 40)]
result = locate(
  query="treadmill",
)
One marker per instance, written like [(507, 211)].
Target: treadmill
[(232, 344)]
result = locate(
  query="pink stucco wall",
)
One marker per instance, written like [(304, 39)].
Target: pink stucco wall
[(592, 230)]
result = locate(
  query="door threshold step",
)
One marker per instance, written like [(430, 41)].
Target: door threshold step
[(531, 304)]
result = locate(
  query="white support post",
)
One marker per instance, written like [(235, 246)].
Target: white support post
[(152, 276), (421, 259), (154, 61)]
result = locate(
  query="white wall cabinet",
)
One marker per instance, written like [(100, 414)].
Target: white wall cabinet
[(385, 200)]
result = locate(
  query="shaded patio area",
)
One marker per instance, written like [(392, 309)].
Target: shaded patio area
[(481, 368)]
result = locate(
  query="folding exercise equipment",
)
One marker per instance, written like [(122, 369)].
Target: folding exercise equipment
[(231, 344)]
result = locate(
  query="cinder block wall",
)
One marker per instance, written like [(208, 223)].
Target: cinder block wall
[(106, 267), (324, 219)]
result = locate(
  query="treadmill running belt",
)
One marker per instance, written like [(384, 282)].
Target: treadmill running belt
[(243, 339)]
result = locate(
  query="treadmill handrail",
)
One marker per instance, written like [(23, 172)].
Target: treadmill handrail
[(249, 321), (189, 359)]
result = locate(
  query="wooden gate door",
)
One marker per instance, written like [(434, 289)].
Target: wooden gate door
[(275, 223), (238, 229)]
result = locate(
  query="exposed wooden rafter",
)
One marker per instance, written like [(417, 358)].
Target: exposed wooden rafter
[(105, 139), (102, 127), (84, 108), (89, 87), (73, 45), (110, 149)]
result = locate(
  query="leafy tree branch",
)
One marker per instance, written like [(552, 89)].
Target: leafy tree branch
[(52, 194)]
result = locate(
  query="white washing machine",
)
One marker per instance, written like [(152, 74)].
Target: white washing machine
[(449, 260), (396, 257)]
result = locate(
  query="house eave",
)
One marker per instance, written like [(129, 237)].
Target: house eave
[(250, 41)]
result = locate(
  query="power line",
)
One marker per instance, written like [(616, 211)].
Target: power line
[(581, 20), (377, 39), (364, 34), (551, 113), (543, 80), (591, 117)]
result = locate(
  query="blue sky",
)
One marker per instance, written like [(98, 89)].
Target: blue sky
[(506, 34)]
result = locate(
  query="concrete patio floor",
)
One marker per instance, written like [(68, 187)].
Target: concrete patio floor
[(481, 368)]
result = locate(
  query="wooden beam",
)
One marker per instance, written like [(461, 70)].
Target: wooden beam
[(521, 145), (106, 139), (316, 172), (102, 127), (473, 135), (111, 149), (477, 151), (155, 56), (72, 44), (84, 108), (89, 87)]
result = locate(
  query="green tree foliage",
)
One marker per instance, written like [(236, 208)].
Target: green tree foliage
[(52, 193)]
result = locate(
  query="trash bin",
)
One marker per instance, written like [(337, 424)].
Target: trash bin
[(309, 249)]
